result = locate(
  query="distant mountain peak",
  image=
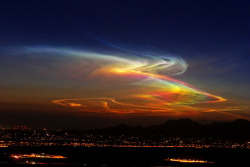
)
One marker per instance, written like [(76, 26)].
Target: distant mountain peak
[(183, 128), (180, 122)]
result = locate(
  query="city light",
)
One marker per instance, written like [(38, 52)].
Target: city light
[(187, 160), (33, 155)]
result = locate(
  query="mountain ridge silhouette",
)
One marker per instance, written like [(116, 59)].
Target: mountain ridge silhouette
[(239, 128)]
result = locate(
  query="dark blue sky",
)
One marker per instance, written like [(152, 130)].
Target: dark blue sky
[(211, 35), (206, 26)]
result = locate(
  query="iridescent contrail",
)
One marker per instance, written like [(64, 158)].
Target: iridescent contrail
[(142, 83)]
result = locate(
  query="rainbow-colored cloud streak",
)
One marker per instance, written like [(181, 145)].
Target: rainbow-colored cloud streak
[(138, 84)]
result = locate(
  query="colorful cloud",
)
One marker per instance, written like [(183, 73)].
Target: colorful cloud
[(137, 84)]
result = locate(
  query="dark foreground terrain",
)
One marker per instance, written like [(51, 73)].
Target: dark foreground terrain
[(129, 157)]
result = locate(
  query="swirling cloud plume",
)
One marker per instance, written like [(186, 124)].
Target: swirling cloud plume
[(127, 83)]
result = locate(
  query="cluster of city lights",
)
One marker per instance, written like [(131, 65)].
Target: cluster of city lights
[(33, 155), (187, 160)]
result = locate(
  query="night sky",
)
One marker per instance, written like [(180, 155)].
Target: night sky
[(90, 64)]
